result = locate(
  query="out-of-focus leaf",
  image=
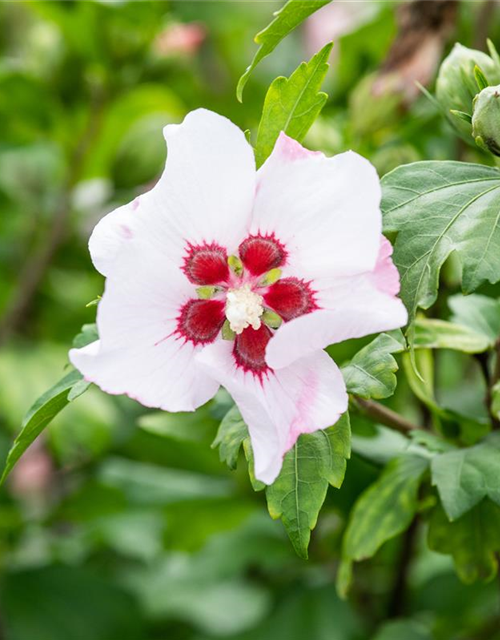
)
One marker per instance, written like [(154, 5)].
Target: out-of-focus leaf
[(375, 442), (407, 629), (457, 204), (296, 496), (293, 13), (314, 612), (495, 400), (150, 484), (464, 477), (370, 374), (198, 426), (42, 413), (71, 604), (440, 334), (382, 512), (230, 437), (145, 100), (472, 540), (480, 313), (292, 104)]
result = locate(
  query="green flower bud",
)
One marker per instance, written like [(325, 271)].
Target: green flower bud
[(456, 83), (486, 120)]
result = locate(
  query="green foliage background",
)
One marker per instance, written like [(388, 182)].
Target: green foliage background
[(122, 523)]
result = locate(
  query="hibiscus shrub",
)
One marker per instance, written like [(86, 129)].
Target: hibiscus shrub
[(335, 335)]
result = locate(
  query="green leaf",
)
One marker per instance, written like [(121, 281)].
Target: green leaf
[(370, 374), (440, 334), (382, 512), (292, 104), (286, 20), (464, 477), (457, 204), (407, 629), (317, 460), (495, 400), (87, 335), (472, 540), (73, 603), (479, 313), (230, 437), (42, 413), (192, 426)]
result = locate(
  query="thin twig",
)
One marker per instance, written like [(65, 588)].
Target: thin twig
[(490, 379), (382, 414)]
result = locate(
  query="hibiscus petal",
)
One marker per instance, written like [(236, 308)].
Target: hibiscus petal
[(205, 195), (141, 352), (278, 407), (351, 309), (326, 211)]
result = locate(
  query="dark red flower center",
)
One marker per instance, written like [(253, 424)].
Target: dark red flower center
[(200, 321), (206, 264), (262, 253)]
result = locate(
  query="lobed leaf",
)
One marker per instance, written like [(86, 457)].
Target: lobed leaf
[(370, 374), (293, 13), (317, 460), (292, 104), (472, 540), (458, 205), (465, 477)]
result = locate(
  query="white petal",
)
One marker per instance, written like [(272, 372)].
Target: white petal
[(325, 210), (308, 395), (353, 308), (138, 353), (204, 195)]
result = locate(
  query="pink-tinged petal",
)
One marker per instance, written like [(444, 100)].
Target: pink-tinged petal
[(385, 275), (326, 211), (204, 196), (353, 308), (308, 395), (112, 234), (140, 352)]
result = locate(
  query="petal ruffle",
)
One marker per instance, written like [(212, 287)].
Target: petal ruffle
[(326, 211), (307, 396), (140, 352), (350, 308), (204, 195)]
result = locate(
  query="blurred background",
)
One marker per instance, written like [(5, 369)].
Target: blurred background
[(121, 523)]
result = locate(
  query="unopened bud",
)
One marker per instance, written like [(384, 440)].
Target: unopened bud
[(486, 120), (457, 83)]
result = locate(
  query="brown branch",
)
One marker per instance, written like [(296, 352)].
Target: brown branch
[(483, 24), (382, 414), (33, 272), (490, 380), (423, 30)]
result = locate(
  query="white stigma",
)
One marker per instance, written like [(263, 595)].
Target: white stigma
[(243, 309)]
